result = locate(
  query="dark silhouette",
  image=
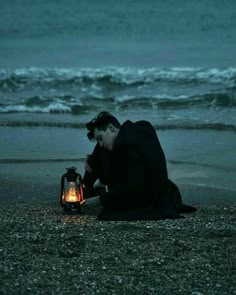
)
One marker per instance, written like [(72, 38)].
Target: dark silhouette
[(135, 173)]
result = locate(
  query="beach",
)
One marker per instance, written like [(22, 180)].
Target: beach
[(45, 251), (170, 63)]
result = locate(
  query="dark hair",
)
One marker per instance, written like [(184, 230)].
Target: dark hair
[(101, 121)]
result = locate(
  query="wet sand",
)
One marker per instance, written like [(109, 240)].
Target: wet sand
[(32, 159), (31, 182)]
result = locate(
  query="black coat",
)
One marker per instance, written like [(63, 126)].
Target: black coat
[(138, 182)]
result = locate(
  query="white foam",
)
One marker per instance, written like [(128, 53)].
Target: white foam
[(54, 107), (126, 75)]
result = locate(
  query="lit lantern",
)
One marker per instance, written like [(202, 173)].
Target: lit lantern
[(71, 190)]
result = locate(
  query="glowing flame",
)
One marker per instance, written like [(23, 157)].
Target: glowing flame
[(74, 193), (72, 196)]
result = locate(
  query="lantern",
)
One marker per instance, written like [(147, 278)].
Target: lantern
[(71, 190)]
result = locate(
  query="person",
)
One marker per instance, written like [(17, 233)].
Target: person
[(129, 160)]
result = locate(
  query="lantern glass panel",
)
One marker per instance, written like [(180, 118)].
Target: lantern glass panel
[(71, 192)]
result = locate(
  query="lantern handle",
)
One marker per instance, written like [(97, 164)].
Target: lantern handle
[(71, 168)]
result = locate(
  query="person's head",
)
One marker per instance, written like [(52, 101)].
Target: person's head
[(103, 129)]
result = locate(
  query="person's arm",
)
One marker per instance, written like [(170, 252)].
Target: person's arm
[(129, 187), (97, 166), (91, 202), (91, 175)]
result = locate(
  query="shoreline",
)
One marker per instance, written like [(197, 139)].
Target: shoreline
[(40, 180), (21, 186)]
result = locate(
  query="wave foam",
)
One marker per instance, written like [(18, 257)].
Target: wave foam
[(121, 76)]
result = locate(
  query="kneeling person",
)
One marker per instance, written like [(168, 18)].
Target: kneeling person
[(134, 170)]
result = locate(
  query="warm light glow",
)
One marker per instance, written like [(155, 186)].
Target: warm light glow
[(74, 194)]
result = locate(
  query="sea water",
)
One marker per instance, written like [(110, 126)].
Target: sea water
[(170, 62)]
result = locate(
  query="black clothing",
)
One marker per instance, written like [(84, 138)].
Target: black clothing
[(99, 160), (138, 182)]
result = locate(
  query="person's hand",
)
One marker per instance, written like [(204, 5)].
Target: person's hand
[(91, 202)]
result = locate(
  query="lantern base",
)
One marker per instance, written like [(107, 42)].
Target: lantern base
[(72, 208)]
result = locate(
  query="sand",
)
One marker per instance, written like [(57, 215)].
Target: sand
[(43, 251)]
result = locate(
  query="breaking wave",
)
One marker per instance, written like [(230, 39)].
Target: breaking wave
[(73, 105), (120, 77), (190, 98), (66, 90)]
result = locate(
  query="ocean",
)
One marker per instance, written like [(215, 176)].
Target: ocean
[(170, 62)]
